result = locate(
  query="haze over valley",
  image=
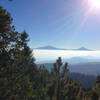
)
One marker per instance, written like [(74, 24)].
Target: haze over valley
[(72, 56), (80, 61)]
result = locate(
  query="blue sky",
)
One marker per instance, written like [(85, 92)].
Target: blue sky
[(60, 23)]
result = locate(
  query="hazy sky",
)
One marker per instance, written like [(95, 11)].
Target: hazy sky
[(60, 23)]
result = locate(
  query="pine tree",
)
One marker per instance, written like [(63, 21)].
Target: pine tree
[(17, 67), (96, 88), (59, 73)]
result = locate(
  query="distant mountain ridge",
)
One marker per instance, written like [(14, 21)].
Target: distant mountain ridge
[(88, 68), (82, 48), (54, 48), (49, 48)]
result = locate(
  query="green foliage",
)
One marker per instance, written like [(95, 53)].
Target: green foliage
[(21, 79), (17, 67)]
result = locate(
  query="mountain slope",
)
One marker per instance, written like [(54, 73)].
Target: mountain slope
[(54, 48), (83, 49), (49, 48), (90, 68)]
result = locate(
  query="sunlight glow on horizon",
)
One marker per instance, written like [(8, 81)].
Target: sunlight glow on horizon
[(62, 23), (95, 3)]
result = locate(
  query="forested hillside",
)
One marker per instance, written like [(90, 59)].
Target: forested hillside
[(21, 79), (86, 80)]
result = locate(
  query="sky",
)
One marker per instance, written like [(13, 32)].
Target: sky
[(61, 23)]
